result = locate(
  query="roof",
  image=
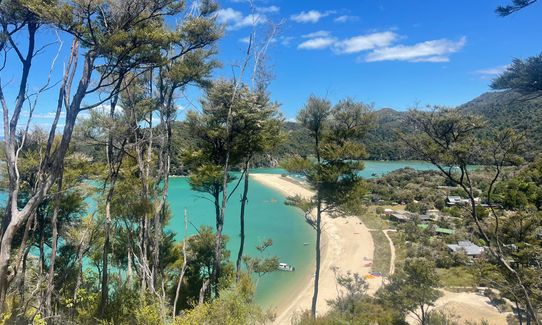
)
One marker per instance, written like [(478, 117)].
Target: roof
[(467, 246), (400, 216), (438, 230), (444, 231), (454, 198)]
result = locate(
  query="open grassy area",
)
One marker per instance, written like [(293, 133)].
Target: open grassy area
[(382, 254), (456, 277)]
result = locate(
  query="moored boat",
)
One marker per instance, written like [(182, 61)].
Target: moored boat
[(286, 267)]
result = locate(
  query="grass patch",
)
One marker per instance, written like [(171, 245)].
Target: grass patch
[(400, 247), (382, 253), (456, 277)]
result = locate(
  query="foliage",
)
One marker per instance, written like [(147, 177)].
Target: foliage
[(522, 76), (234, 306), (413, 288)]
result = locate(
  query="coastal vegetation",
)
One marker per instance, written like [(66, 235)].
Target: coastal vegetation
[(85, 223)]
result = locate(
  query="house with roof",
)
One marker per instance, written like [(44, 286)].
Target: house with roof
[(436, 229), (468, 247), (453, 200), (458, 200), (400, 216)]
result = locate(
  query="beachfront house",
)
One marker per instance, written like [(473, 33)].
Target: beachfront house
[(468, 247)]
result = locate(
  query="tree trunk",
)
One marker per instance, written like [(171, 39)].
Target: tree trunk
[(105, 261), (78, 280), (317, 272), (54, 240), (129, 272), (203, 290), (183, 268), (114, 163), (242, 221)]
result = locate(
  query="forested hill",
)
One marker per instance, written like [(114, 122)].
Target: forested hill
[(501, 109), (508, 109)]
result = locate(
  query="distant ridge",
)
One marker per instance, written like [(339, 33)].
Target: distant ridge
[(501, 110)]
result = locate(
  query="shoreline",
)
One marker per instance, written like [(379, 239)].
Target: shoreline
[(346, 244)]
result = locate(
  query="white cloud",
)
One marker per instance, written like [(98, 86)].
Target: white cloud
[(493, 71), (365, 42), (270, 9), (236, 20), (311, 16), (224, 16), (429, 51), (286, 40), (320, 33), (245, 40), (345, 19), (317, 43)]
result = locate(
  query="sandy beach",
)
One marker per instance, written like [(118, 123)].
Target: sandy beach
[(346, 244)]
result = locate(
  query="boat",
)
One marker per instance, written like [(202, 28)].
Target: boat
[(286, 267)]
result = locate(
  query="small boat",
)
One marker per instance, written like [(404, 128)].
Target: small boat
[(305, 244), (286, 267)]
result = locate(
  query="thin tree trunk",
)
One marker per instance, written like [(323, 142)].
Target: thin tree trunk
[(183, 268), (54, 225), (202, 291), (129, 272), (242, 221), (79, 276), (105, 261), (114, 163), (317, 272)]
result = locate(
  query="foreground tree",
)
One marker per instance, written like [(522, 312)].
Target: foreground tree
[(109, 39), (523, 77), (112, 44), (516, 5), (332, 172), (413, 289)]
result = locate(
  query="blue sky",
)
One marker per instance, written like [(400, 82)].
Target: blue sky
[(390, 53)]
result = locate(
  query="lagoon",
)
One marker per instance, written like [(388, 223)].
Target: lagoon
[(266, 217)]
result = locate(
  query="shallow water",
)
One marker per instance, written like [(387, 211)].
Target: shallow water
[(266, 217)]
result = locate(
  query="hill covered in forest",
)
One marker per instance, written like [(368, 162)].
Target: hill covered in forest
[(500, 109)]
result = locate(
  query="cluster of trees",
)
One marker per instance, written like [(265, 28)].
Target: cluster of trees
[(83, 231), (447, 138)]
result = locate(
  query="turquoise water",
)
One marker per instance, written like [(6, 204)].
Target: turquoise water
[(372, 168), (266, 217)]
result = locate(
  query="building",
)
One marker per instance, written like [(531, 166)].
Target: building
[(457, 200), (437, 230), (400, 216), (453, 200), (467, 247)]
